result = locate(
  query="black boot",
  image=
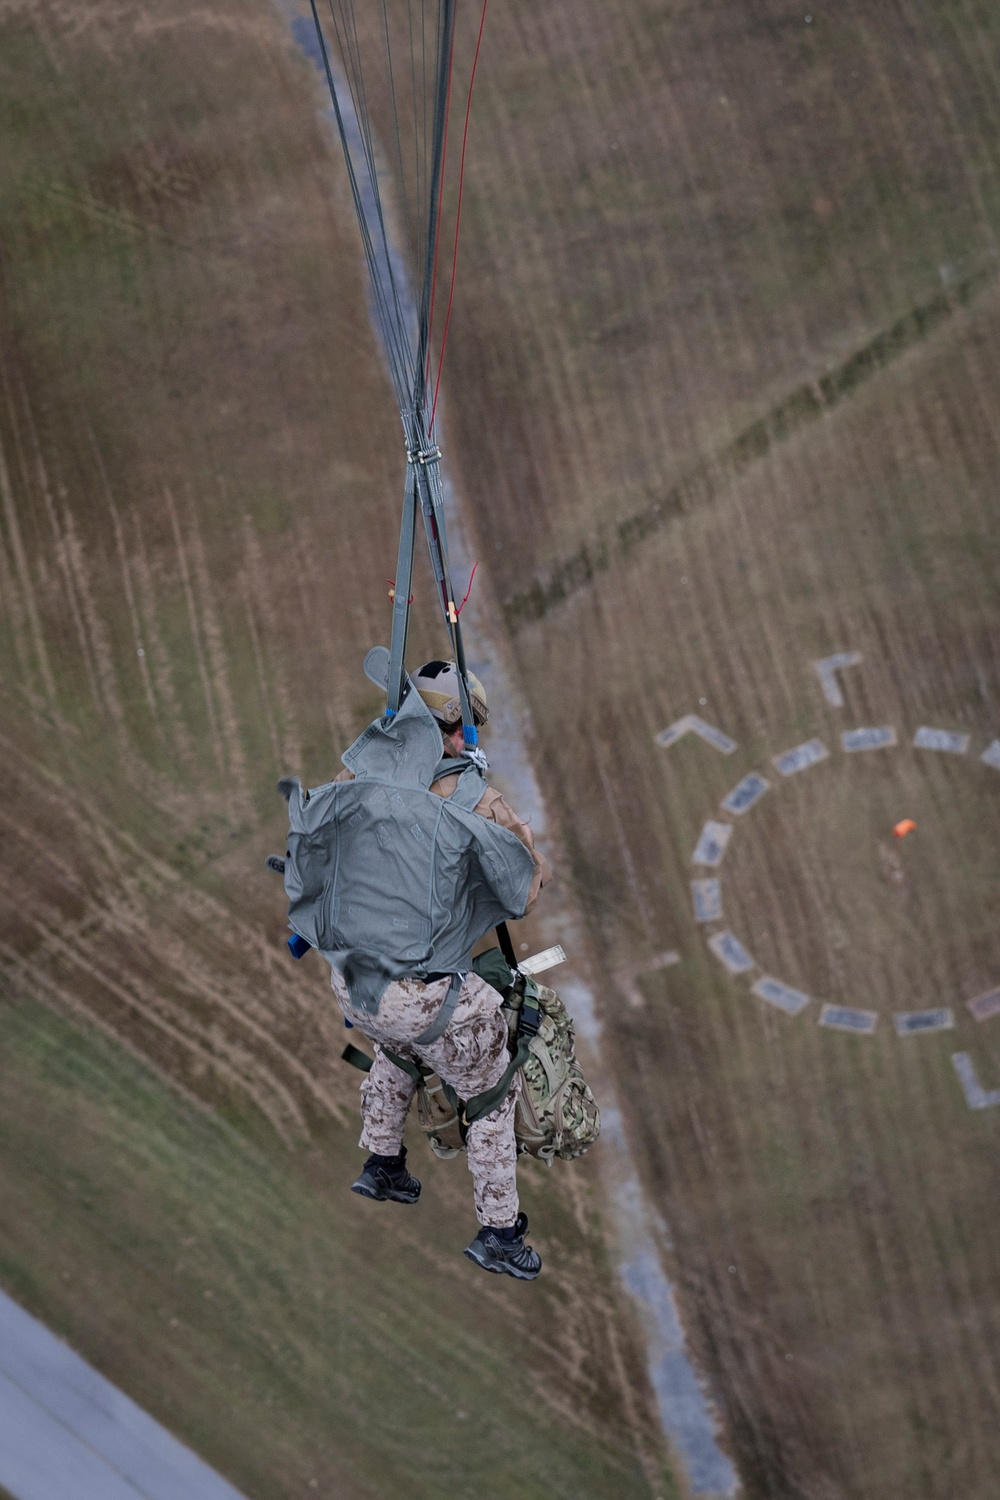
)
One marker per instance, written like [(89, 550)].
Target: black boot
[(504, 1251), (385, 1177)]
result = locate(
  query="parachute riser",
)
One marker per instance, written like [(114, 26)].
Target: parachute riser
[(423, 486), (434, 208), (402, 595), (428, 477)]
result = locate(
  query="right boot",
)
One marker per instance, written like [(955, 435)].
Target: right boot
[(504, 1252), (386, 1177)]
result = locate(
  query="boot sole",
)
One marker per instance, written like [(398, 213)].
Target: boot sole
[(502, 1268), (376, 1197)]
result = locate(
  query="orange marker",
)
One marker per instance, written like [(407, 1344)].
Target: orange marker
[(903, 828)]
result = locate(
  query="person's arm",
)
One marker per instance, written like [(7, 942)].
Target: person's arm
[(492, 805)]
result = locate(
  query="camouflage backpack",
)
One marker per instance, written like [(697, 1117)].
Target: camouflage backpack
[(556, 1112)]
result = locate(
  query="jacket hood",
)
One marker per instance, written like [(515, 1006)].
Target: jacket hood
[(407, 748)]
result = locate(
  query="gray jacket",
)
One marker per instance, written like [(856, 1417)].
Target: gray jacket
[(386, 879)]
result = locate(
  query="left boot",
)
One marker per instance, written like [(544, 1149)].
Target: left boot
[(504, 1252), (386, 1177)]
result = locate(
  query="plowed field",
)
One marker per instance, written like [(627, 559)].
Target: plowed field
[(737, 397), (722, 395), (199, 488)]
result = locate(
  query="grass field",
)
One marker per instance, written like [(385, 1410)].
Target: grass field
[(243, 1297), (722, 395), (199, 486)]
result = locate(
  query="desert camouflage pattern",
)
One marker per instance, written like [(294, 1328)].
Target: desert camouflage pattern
[(471, 1056), (556, 1113)]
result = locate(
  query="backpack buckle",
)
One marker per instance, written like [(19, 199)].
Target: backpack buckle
[(530, 1013)]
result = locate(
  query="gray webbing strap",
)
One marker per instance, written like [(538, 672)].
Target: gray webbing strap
[(412, 1068), (439, 1025), (471, 785), (432, 507), (401, 597), (356, 1058), (484, 1104)]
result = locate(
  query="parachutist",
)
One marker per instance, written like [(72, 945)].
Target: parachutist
[(398, 869), (467, 1049)]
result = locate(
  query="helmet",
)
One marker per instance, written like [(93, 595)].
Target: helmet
[(437, 684)]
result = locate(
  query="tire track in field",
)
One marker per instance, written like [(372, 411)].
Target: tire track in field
[(806, 404), (162, 668), (82, 954), (47, 991), (25, 593), (257, 591), (126, 889), (96, 633), (126, 572), (61, 553), (199, 652), (238, 789)]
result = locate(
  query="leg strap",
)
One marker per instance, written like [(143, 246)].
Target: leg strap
[(411, 1068), (361, 1060)]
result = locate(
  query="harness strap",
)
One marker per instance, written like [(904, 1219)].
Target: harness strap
[(471, 782), (413, 1069), (480, 1105), (439, 1025), (507, 946), (364, 1063), (484, 1104)]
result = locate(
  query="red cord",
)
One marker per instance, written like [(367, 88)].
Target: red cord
[(468, 591), (458, 220)]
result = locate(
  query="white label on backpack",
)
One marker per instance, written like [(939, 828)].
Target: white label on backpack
[(547, 959)]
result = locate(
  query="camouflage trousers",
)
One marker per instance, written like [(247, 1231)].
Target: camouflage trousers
[(470, 1055)]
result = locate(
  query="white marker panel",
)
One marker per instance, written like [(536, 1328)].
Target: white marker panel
[(745, 794), (801, 758), (827, 670), (912, 1022), (730, 952), (941, 739), (976, 1097), (782, 995), (843, 1018), (711, 846), (869, 739), (691, 724), (706, 896), (984, 1006)]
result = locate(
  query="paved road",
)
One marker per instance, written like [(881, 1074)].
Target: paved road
[(66, 1433)]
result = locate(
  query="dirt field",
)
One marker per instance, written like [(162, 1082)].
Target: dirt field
[(722, 393), (199, 487), (736, 412)]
